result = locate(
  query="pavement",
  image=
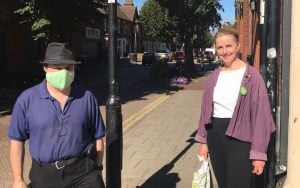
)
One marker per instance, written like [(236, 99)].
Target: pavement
[(158, 140), (159, 150)]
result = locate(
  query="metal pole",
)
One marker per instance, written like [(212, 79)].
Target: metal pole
[(272, 74), (268, 69), (284, 106), (261, 181), (114, 135)]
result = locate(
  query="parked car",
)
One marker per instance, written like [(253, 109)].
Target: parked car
[(163, 55), (148, 58), (208, 57)]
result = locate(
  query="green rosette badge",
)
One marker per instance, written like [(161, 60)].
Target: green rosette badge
[(243, 90)]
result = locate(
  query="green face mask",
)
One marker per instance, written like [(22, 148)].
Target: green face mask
[(60, 79)]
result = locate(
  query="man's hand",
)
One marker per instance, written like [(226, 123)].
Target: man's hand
[(100, 150), (19, 184), (203, 151), (258, 167)]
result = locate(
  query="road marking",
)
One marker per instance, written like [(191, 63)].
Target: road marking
[(146, 110)]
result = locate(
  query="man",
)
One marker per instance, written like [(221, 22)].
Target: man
[(62, 122)]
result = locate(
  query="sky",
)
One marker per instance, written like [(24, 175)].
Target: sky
[(227, 15)]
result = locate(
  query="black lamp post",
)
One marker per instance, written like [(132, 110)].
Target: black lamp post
[(114, 134), (106, 47), (106, 39)]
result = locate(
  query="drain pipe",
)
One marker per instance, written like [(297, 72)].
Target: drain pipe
[(263, 38)]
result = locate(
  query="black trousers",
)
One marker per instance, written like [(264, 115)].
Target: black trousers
[(83, 173), (229, 157)]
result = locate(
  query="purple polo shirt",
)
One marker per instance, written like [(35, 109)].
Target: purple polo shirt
[(55, 134)]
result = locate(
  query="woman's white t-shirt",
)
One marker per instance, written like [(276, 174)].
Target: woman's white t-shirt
[(226, 92)]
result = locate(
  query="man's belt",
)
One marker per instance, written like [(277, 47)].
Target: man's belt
[(62, 163), (59, 164), (90, 152)]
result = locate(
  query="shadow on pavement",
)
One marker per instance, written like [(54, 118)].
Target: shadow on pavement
[(162, 178)]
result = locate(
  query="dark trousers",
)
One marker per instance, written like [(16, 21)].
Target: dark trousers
[(81, 174), (229, 157)]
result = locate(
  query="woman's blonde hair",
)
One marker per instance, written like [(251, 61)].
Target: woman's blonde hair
[(227, 31)]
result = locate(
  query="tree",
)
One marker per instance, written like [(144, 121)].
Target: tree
[(56, 19), (203, 40), (194, 17), (190, 20), (156, 21)]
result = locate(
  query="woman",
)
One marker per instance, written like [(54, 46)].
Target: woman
[(235, 122)]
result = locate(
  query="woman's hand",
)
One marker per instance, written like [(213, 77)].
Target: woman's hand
[(203, 151), (258, 167)]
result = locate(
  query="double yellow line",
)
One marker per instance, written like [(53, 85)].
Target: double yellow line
[(146, 110)]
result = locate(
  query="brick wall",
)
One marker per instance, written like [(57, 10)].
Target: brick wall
[(248, 28)]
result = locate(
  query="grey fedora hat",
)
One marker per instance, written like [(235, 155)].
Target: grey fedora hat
[(59, 53)]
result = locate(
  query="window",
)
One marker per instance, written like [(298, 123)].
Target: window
[(105, 24), (119, 47), (119, 26), (125, 28)]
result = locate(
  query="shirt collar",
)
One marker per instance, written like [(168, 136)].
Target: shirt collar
[(247, 74), (44, 94)]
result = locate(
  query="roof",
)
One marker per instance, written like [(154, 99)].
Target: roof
[(125, 12), (122, 14), (129, 10)]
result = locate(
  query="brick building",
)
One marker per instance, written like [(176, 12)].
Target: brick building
[(20, 54), (248, 28)]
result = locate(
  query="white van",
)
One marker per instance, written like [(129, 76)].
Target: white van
[(210, 54), (211, 50)]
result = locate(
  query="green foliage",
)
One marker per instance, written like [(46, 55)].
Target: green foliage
[(27, 9), (40, 24), (56, 19), (189, 21), (204, 39), (194, 16), (156, 21), (192, 19)]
